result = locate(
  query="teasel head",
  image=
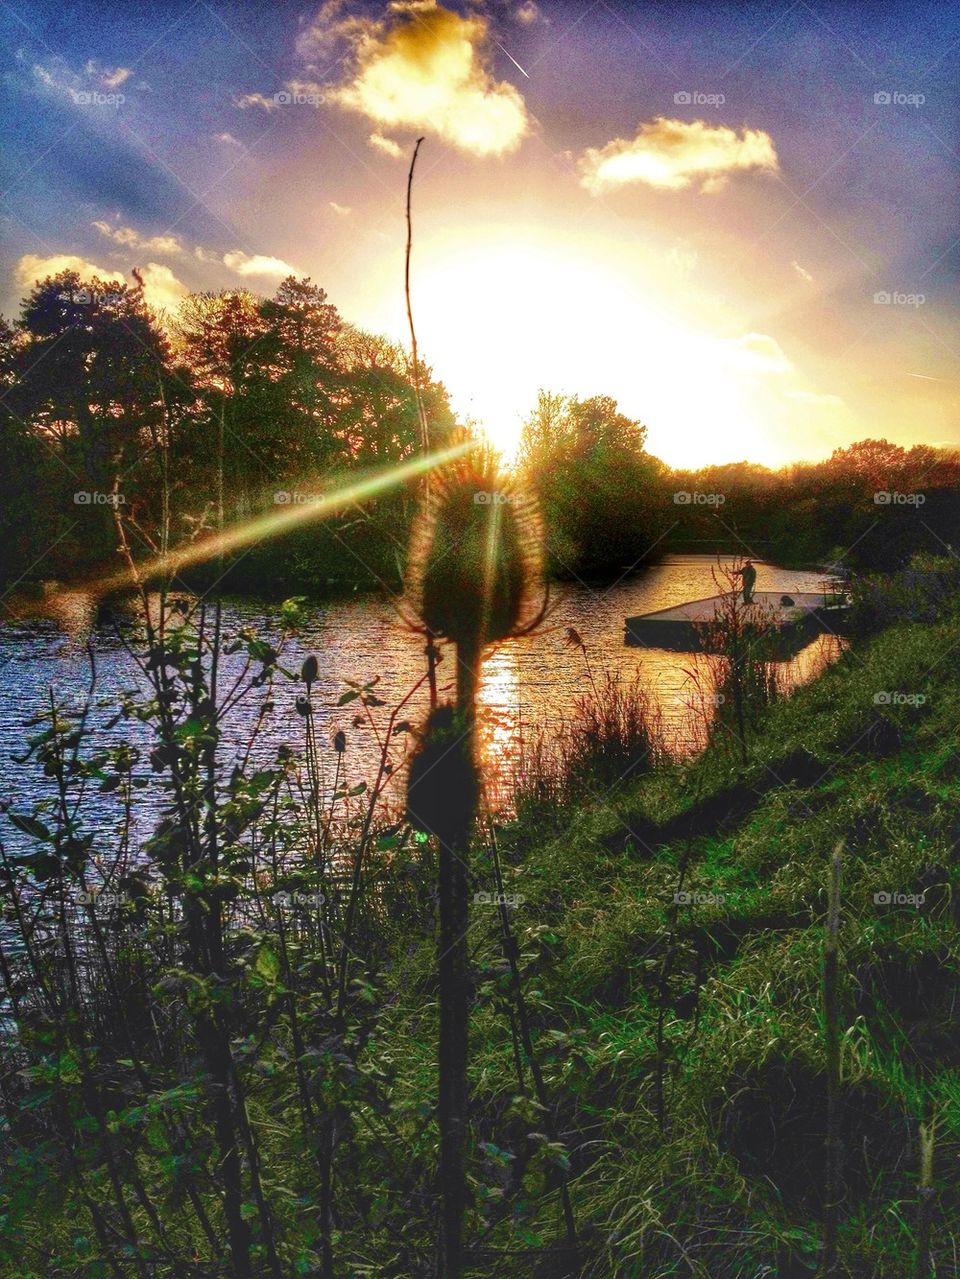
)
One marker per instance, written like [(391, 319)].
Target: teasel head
[(475, 573)]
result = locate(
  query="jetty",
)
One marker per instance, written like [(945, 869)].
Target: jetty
[(796, 617)]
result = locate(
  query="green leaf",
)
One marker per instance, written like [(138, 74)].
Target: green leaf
[(30, 826), (267, 965)]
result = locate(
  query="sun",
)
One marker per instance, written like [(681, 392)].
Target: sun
[(502, 313)]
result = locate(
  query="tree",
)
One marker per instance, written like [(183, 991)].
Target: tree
[(599, 489)]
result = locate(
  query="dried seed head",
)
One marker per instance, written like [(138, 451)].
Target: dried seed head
[(476, 567)]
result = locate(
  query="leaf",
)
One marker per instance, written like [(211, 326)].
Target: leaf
[(348, 697), (30, 826), (267, 965), (309, 670), (358, 790)]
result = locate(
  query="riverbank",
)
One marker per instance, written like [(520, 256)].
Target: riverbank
[(669, 938), (673, 940)]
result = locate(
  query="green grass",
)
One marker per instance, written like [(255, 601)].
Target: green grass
[(746, 1056)]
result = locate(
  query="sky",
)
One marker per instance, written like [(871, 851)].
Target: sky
[(739, 220)]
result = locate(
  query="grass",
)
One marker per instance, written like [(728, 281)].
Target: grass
[(669, 933), (728, 1183)]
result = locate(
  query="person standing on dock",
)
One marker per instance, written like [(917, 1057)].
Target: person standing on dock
[(748, 575)]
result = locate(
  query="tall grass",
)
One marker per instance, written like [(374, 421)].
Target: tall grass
[(613, 736)]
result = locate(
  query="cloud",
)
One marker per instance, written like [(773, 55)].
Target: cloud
[(671, 155), (59, 77), (257, 100), (109, 77), (257, 264), (127, 236), (341, 210), (758, 353), (227, 139), (683, 259), (386, 145), (161, 289), (426, 68), (803, 273), (528, 13), (31, 269), (815, 399)]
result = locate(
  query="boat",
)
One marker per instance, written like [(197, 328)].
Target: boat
[(796, 617)]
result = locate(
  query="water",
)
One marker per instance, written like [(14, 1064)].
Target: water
[(528, 685)]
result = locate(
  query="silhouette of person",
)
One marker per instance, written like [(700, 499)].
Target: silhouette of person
[(748, 575)]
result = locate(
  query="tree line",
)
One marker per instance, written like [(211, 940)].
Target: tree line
[(241, 403)]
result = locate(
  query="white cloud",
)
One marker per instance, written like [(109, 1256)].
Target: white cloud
[(257, 264), (257, 100), (227, 139), (427, 68), (130, 238), (671, 155), (341, 210), (815, 399), (386, 145), (85, 88), (803, 273), (758, 353)]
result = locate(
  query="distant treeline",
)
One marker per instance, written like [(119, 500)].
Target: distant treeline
[(243, 404)]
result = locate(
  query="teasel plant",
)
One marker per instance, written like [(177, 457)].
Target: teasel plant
[(831, 1018), (475, 578)]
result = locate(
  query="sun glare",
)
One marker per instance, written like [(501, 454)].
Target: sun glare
[(500, 315)]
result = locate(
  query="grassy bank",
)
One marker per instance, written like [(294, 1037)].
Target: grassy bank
[(661, 1058), (673, 936)]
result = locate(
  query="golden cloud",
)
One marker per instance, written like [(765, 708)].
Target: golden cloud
[(386, 145), (130, 238), (31, 269), (257, 264), (759, 353), (162, 291), (670, 155), (426, 68)]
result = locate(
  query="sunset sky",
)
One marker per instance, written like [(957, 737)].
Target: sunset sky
[(690, 207)]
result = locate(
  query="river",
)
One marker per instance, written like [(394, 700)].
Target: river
[(528, 686)]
